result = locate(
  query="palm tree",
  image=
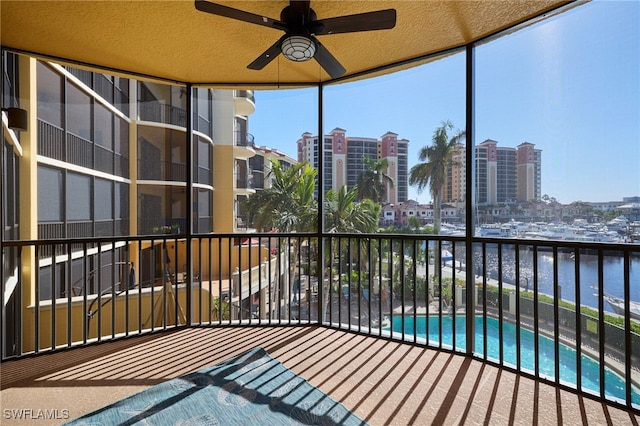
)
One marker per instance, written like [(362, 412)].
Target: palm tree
[(288, 205), (435, 162), (343, 214), (414, 224), (373, 181), (432, 172)]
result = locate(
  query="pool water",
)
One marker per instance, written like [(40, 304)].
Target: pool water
[(614, 384)]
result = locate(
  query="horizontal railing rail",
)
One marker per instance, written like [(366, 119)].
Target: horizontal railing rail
[(564, 312)]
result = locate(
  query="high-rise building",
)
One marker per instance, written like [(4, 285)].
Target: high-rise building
[(344, 159), (503, 174), (529, 172)]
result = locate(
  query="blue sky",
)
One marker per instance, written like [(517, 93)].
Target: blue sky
[(570, 85)]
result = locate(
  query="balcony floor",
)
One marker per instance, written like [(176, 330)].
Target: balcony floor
[(382, 381)]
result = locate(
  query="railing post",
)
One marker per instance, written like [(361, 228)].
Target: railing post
[(470, 204), (320, 228), (189, 202)]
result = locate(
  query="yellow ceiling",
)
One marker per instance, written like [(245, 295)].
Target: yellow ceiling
[(172, 40)]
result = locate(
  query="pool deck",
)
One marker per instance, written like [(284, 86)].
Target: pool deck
[(384, 382)]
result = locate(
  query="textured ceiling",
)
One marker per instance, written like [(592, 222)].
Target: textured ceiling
[(172, 40)]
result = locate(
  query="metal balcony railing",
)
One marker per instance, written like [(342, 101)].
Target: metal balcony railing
[(162, 113), (51, 141), (162, 170), (244, 139), (258, 179), (79, 151), (562, 312), (244, 180)]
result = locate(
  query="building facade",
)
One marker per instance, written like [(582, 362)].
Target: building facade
[(106, 156), (140, 165), (344, 159), (503, 174)]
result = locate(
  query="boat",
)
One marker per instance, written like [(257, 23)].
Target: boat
[(618, 306), (494, 230), (620, 223), (575, 232)]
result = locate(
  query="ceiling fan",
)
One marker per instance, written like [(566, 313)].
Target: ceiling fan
[(301, 26)]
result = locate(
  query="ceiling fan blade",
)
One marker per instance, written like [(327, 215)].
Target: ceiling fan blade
[(267, 56), (327, 61), (240, 15), (368, 21)]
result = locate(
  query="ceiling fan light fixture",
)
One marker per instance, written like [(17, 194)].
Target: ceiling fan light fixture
[(298, 48)]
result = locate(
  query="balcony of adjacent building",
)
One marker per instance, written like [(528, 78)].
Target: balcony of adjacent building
[(162, 104), (243, 144), (244, 184), (157, 112), (258, 176), (163, 157), (157, 170), (244, 102), (57, 144)]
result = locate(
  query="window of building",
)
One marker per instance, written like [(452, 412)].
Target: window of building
[(203, 102), (121, 200), (50, 195), (78, 112), (78, 197), (121, 137), (50, 105), (103, 199), (103, 126)]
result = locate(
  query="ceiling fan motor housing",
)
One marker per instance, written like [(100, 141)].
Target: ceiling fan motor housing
[(297, 20)]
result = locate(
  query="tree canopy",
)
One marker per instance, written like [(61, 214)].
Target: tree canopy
[(288, 204), (374, 180), (344, 214)]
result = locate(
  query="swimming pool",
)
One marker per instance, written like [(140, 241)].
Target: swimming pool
[(614, 384)]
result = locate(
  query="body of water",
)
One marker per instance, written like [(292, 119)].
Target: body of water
[(612, 268)]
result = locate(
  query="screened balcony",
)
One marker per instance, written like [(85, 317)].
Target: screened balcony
[(402, 328)]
